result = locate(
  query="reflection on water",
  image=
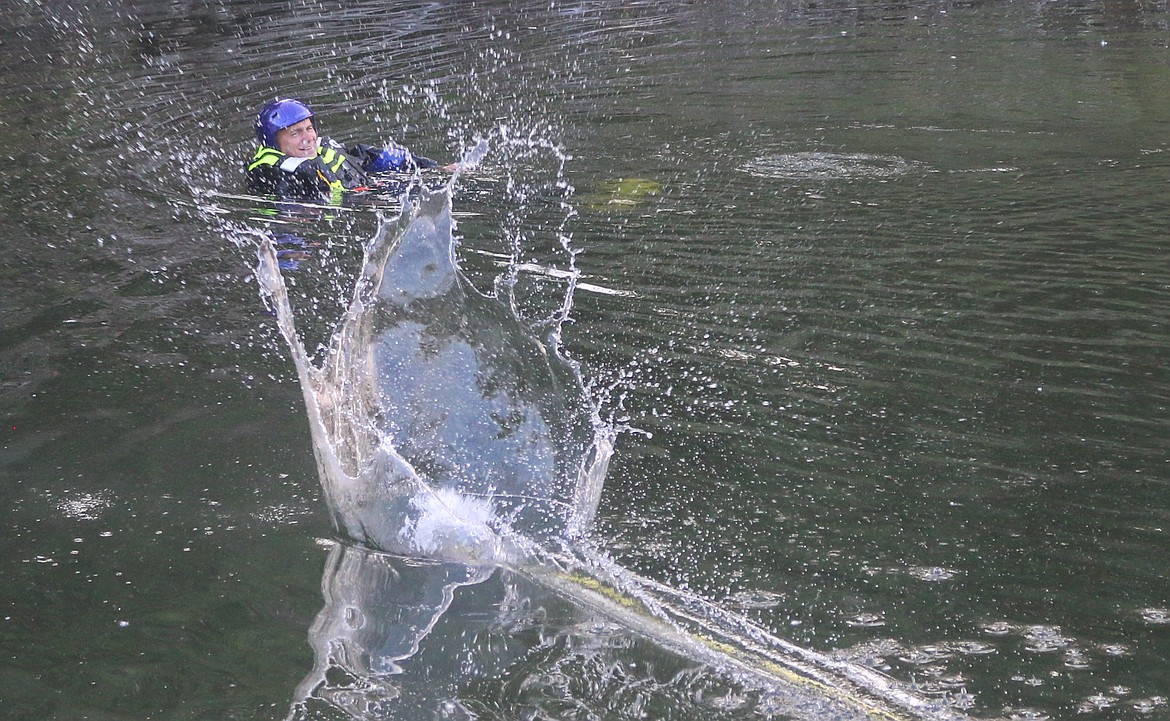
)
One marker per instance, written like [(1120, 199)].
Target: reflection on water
[(404, 638), (409, 639), (378, 612)]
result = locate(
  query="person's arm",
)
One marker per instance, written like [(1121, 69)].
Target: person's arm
[(392, 158)]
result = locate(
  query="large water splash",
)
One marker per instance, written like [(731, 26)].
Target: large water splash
[(444, 425)]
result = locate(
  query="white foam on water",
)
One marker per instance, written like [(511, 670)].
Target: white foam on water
[(452, 525)]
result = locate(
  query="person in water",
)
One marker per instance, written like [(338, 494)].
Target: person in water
[(294, 162)]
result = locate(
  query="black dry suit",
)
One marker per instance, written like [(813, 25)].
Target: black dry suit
[(333, 171)]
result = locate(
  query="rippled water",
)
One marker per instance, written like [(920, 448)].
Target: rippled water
[(880, 287)]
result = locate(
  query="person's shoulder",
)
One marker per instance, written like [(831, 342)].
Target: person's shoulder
[(264, 178), (331, 144)]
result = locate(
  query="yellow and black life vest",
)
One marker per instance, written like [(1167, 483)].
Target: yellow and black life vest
[(331, 168)]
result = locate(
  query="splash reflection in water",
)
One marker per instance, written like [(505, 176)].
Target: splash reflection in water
[(405, 638)]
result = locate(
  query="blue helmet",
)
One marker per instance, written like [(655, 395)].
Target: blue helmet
[(278, 115)]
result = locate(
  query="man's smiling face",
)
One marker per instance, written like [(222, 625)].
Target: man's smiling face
[(298, 140)]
